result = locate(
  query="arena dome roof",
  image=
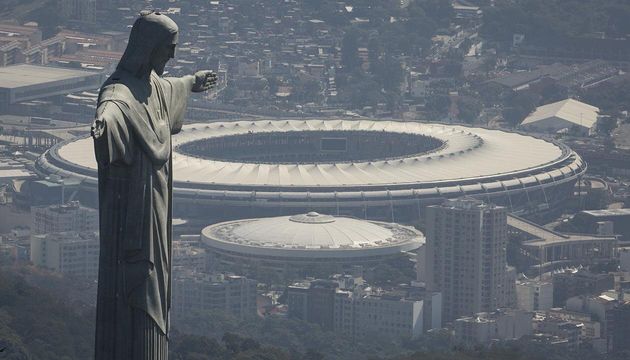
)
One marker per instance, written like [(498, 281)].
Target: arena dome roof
[(312, 235)]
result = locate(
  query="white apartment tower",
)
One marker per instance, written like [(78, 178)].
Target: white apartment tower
[(69, 253), (466, 257)]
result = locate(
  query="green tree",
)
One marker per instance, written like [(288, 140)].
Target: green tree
[(469, 109), (306, 90), (518, 106), (349, 49), (438, 104), (195, 347), (606, 124)]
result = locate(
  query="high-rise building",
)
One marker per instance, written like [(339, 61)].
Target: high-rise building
[(466, 257), (61, 218), (200, 292), (70, 253)]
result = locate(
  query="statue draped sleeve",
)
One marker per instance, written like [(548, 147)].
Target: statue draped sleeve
[(113, 140)]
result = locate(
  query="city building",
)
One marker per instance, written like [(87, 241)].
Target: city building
[(466, 257), (563, 329), (534, 294), (567, 114), (599, 307), (588, 221), (19, 83), (571, 283), (548, 250), (553, 341), (291, 243), (82, 11), (371, 169), (464, 10), (620, 327), (59, 218), (364, 311), (593, 331), (195, 292), (70, 253), (188, 255), (17, 43), (386, 314), (313, 301), (576, 48), (482, 328), (297, 301), (624, 259)]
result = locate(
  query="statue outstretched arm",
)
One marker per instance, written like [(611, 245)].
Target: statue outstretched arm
[(177, 91)]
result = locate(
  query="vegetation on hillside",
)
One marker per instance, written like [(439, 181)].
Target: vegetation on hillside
[(542, 19)]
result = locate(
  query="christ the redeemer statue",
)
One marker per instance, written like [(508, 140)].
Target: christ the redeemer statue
[(136, 114)]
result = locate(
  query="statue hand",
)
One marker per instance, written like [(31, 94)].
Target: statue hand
[(204, 80), (98, 128)]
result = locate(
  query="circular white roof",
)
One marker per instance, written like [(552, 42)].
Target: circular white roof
[(307, 235), (468, 153)]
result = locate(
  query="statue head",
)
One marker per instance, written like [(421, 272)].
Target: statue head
[(151, 44)]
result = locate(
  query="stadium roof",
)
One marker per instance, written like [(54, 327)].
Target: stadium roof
[(468, 153), (310, 232), (570, 110), (16, 76)]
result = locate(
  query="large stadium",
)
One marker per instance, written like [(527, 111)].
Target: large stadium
[(372, 169)]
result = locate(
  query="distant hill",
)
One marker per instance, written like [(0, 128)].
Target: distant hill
[(44, 12), (540, 19)]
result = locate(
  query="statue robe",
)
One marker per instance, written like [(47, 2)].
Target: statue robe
[(132, 137)]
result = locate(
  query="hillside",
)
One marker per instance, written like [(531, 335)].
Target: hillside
[(43, 12), (35, 325)]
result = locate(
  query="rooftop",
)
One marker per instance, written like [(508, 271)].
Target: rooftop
[(311, 231), (468, 153), (17, 76), (308, 233), (570, 110), (543, 236)]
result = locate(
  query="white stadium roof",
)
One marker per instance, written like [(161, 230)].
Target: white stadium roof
[(307, 235), (573, 111), (468, 153)]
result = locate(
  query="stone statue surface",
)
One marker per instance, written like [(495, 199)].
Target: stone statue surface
[(137, 112)]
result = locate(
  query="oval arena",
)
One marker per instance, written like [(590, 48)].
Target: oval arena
[(372, 169)]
